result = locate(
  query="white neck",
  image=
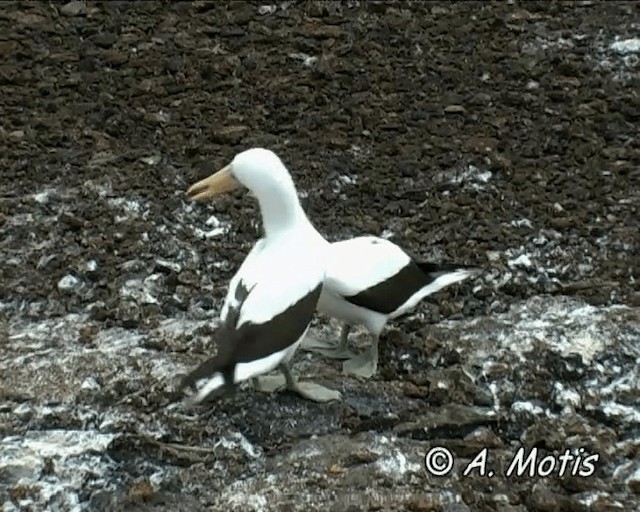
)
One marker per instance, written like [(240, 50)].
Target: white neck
[(281, 209)]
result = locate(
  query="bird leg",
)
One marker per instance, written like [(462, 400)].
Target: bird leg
[(309, 390), (363, 365), (328, 348)]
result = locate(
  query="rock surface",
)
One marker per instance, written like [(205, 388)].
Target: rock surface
[(501, 135)]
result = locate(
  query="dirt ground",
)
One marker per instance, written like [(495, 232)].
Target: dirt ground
[(499, 134)]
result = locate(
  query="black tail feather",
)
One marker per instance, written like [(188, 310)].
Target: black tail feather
[(431, 268), (208, 369), (224, 361)]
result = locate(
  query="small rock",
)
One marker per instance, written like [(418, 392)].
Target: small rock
[(213, 221), (336, 469), (73, 222), (90, 384), (634, 481), (456, 507), (164, 266), (362, 457), (160, 117), (87, 333), (115, 57), (98, 311), (566, 397), (174, 64), (454, 109), (562, 222), (543, 500), (205, 303), (605, 503), (421, 379), (45, 260), (526, 411), (189, 278), (320, 31), (26, 469), (90, 266), (145, 85), (42, 197), (230, 134), (105, 39), (73, 8), (518, 15), (423, 504), (151, 160), (484, 437), (68, 282), (481, 144), (23, 411), (440, 390), (16, 135), (141, 491), (267, 9), (413, 391), (493, 256), (522, 261), (626, 46)]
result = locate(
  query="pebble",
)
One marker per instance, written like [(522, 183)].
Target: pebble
[(23, 411), (566, 397), (526, 410), (90, 384), (521, 261), (68, 282), (267, 9), (105, 39), (230, 134), (456, 507), (73, 8), (16, 135), (168, 265), (493, 256), (91, 266), (634, 481), (151, 160), (454, 109)]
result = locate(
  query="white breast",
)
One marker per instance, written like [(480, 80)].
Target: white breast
[(279, 272)]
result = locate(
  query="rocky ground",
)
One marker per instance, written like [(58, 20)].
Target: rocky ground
[(502, 134)]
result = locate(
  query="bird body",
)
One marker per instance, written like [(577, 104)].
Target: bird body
[(369, 281), (291, 272), (273, 296)]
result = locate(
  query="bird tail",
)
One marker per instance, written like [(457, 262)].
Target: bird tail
[(215, 376), (442, 275), (444, 268), (212, 378)]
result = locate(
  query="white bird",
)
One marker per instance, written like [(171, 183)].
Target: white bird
[(369, 281), (273, 296)]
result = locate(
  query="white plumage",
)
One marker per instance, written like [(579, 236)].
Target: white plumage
[(369, 281), (273, 296), (292, 271), (274, 281)]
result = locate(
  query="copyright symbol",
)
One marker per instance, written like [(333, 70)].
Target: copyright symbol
[(438, 461)]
